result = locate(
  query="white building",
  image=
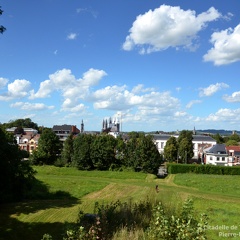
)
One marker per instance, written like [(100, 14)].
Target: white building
[(200, 142), (217, 155)]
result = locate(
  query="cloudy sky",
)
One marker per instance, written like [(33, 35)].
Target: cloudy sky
[(154, 65)]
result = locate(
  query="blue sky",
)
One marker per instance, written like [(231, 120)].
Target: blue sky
[(156, 65)]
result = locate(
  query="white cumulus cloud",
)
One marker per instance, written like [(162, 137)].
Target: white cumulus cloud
[(30, 106), (225, 115), (3, 82), (166, 27), (119, 98), (235, 97), (213, 88), (71, 88), (191, 103), (226, 47), (17, 89)]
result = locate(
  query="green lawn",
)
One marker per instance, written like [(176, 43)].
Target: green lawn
[(70, 190)]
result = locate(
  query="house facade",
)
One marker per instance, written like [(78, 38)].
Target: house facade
[(33, 143), (217, 155), (28, 140), (200, 142), (64, 131), (234, 155)]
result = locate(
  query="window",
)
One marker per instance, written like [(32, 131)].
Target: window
[(210, 158), (162, 144), (218, 158), (223, 158)]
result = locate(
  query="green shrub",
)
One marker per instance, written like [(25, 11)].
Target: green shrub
[(182, 226), (202, 169), (151, 221)]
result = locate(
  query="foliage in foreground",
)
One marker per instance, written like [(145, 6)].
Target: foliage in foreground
[(16, 175), (179, 226), (156, 222)]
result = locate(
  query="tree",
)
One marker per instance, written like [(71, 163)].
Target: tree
[(2, 28), (82, 151), (49, 148), (21, 123), (131, 155), (171, 149), (120, 149), (185, 145), (232, 143), (16, 175), (149, 158), (141, 153), (235, 137), (103, 151), (185, 134), (19, 130), (219, 139), (185, 150), (68, 151)]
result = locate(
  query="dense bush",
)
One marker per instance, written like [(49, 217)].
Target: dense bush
[(154, 221), (202, 169), (183, 225)]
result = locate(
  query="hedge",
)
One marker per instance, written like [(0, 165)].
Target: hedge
[(174, 168)]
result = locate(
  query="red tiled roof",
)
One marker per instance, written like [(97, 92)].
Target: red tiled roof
[(235, 148)]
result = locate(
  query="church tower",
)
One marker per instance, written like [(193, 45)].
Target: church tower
[(82, 127)]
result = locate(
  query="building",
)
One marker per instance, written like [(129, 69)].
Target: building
[(217, 155), (27, 140), (64, 131), (33, 143), (234, 155), (111, 127), (200, 142)]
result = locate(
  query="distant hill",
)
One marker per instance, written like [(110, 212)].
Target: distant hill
[(215, 131)]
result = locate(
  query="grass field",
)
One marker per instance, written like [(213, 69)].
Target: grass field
[(70, 190)]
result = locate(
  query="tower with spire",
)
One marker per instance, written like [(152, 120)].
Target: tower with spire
[(82, 127)]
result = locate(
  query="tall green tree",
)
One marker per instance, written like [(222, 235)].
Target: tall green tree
[(185, 150), (120, 149), (219, 139), (49, 148), (68, 150), (231, 143), (82, 151), (16, 175), (131, 154), (235, 137), (103, 151), (171, 149), (185, 134), (141, 153), (185, 145), (149, 158), (2, 28)]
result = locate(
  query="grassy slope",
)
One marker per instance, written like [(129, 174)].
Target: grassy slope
[(30, 220)]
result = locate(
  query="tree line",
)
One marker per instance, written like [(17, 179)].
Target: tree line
[(98, 152), (231, 140)]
